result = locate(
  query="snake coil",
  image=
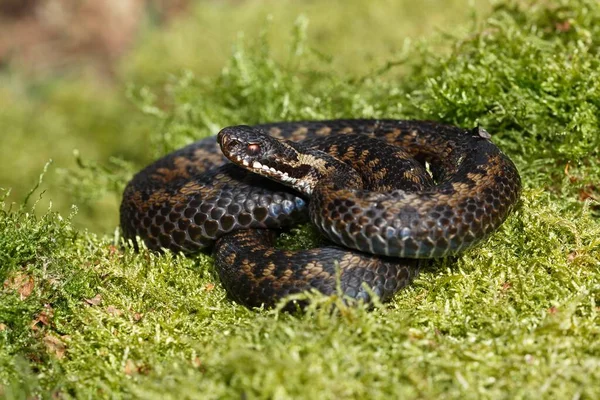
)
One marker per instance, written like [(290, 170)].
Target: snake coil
[(395, 191)]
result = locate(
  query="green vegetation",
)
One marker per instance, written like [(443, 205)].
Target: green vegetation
[(517, 317), (45, 118)]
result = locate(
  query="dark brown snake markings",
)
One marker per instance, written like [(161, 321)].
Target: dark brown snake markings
[(387, 206)]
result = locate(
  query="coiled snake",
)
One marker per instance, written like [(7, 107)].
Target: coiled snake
[(394, 191)]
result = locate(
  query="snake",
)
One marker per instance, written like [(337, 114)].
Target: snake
[(387, 195)]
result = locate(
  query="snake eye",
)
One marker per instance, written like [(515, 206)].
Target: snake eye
[(253, 149)]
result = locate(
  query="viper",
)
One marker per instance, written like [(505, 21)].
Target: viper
[(386, 194)]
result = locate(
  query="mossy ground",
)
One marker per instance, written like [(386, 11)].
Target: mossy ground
[(516, 317)]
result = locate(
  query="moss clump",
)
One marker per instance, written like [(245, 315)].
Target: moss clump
[(81, 316)]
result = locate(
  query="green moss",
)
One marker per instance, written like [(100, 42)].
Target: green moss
[(530, 74), (45, 117), (354, 35), (48, 120), (516, 317)]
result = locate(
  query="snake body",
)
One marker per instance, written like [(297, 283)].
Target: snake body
[(367, 187)]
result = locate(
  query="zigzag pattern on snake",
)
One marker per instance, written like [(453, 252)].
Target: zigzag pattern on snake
[(415, 189)]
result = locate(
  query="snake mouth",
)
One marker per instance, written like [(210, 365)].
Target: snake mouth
[(274, 174)]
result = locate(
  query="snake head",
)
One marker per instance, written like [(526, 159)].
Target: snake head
[(256, 151), (248, 147)]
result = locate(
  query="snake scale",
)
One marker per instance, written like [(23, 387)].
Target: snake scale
[(386, 193)]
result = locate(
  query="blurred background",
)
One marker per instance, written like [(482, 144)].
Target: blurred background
[(67, 66)]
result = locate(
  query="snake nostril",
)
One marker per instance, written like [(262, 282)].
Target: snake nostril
[(230, 143)]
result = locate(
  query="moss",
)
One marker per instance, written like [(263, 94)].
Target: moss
[(50, 119), (353, 35), (516, 317)]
